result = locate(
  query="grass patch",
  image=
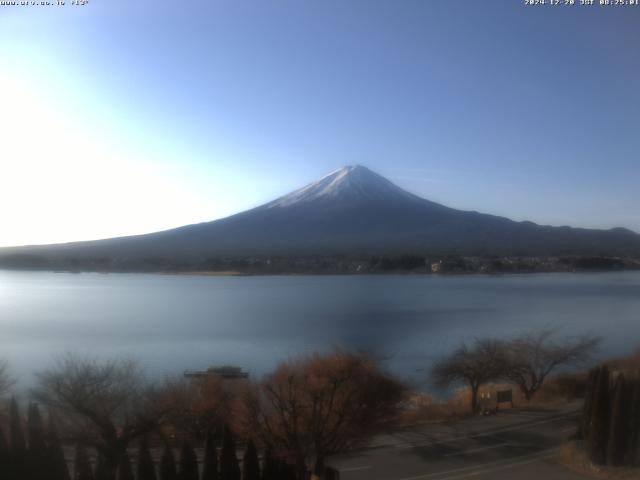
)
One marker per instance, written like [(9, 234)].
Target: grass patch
[(558, 391), (425, 408), (574, 458)]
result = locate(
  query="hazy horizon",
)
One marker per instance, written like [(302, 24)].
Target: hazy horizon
[(123, 119)]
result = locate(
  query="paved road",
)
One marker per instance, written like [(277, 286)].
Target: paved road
[(514, 444)]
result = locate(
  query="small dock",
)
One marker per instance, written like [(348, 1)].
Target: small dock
[(225, 372)]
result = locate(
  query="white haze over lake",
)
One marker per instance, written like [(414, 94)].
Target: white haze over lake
[(175, 322)]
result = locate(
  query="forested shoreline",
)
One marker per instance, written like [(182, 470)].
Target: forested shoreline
[(330, 264)]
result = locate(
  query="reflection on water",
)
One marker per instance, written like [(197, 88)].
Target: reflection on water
[(174, 322)]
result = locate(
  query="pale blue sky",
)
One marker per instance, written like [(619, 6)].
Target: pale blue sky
[(124, 117)]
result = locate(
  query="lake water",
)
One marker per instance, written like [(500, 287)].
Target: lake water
[(176, 322)]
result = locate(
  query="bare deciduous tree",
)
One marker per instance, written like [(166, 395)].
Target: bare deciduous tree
[(197, 406), (6, 381), (320, 405), (104, 405), (533, 356), (474, 365)]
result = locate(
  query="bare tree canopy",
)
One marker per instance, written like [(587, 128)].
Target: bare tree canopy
[(533, 356), (197, 406), (103, 404), (320, 405), (474, 365), (6, 381), (526, 360)]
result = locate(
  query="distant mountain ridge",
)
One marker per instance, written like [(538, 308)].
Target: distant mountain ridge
[(351, 211)]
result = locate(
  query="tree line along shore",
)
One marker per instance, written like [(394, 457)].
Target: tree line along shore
[(326, 264)]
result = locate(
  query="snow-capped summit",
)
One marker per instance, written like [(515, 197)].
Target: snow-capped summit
[(353, 183)]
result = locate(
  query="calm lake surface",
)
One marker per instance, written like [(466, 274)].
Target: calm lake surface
[(176, 322)]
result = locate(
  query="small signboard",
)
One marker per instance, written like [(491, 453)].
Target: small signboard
[(504, 396)]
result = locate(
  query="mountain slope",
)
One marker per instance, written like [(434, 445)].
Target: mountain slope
[(352, 211)]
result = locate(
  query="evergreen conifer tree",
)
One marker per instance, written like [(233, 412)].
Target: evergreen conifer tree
[(5, 466), (250, 463), (18, 444), (285, 471), (168, 465), (125, 472), (146, 469), (17, 447), (600, 417), (585, 417), (37, 453), (58, 469), (632, 457), (229, 468), (210, 467), (82, 466), (269, 466), (102, 469), (35, 429), (188, 462), (619, 430)]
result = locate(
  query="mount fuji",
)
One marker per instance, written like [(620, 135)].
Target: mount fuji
[(351, 211)]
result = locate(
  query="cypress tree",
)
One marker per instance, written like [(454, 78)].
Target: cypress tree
[(102, 469), (82, 466), (37, 453), (188, 462), (4, 446), (5, 467), (285, 471), (58, 469), (210, 468), (146, 469), (18, 448), (168, 465), (585, 418), (633, 446), (18, 444), (599, 427), (229, 468), (619, 430), (269, 466), (36, 430), (250, 464), (125, 472)]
